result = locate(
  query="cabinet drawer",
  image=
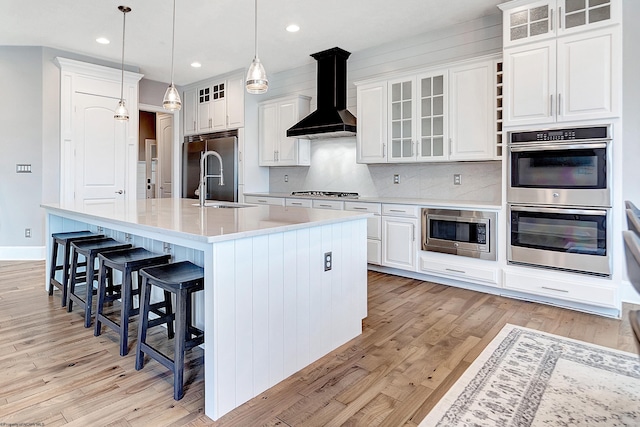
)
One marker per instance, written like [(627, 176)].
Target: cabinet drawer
[(301, 203), (328, 204), (275, 201), (374, 208), (604, 296), (473, 273), (374, 251), (400, 210)]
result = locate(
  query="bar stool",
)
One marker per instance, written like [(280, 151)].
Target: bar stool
[(89, 249), (64, 240), (128, 261), (182, 279)]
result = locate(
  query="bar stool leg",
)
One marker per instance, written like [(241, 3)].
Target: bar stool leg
[(125, 309), (168, 310), (102, 290), (178, 354), (72, 281), (145, 299), (52, 267)]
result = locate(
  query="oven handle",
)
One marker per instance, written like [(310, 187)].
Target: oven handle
[(549, 147), (558, 210)]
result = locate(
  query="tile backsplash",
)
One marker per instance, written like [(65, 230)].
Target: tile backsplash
[(334, 168)]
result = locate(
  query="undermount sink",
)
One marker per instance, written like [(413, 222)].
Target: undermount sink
[(224, 205)]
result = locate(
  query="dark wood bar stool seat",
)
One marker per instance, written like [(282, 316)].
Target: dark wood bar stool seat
[(182, 279), (89, 249), (128, 261), (64, 240)]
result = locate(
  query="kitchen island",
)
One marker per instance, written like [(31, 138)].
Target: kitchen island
[(271, 303)]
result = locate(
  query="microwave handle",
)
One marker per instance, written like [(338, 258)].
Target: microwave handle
[(560, 146), (558, 210)]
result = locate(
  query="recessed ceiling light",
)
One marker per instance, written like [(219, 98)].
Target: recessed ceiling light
[(103, 40), (292, 28), (196, 64)]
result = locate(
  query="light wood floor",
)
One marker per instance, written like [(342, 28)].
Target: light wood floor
[(418, 338)]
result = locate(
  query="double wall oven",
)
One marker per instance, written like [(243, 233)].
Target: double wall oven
[(559, 198)]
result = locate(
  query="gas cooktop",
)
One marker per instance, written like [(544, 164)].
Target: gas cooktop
[(337, 194)]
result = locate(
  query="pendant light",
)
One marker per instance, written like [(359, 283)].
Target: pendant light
[(256, 76), (171, 99), (121, 112)]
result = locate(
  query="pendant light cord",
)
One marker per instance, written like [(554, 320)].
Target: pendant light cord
[(124, 21), (256, 28), (173, 39)]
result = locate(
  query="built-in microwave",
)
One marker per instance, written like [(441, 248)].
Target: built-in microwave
[(566, 167), (459, 232)]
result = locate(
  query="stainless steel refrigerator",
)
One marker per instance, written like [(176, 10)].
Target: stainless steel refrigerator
[(225, 144)]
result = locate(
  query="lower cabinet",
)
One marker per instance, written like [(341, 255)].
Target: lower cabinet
[(374, 229), (265, 200), (400, 230), (456, 267)]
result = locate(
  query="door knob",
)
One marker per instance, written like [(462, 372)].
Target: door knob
[(119, 192)]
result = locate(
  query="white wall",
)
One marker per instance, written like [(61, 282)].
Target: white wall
[(333, 165)]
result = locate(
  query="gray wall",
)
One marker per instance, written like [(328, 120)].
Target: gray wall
[(21, 118), (333, 164)]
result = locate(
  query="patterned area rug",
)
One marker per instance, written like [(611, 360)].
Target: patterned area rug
[(530, 378)]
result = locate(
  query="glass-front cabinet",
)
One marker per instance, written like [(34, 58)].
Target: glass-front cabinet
[(432, 116), (402, 120)]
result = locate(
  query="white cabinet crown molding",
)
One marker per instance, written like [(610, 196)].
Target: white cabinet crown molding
[(96, 71)]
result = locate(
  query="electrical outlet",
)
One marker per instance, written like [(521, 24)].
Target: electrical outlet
[(396, 179), (328, 263), (27, 232), (457, 179), (286, 178)]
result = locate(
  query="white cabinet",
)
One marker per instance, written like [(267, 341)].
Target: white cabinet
[(214, 106), (374, 229), (300, 203), (400, 229), (529, 21), (472, 122), (371, 137), (275, 117), (336, 205), (190, 111), (443, 114), (265, 200)]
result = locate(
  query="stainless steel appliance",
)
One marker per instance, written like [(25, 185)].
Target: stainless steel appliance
[(569, 167), (331, 194), (566, 238), (459, 232), (225, 144)]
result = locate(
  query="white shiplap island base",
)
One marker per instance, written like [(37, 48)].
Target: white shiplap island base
[(269, 307)]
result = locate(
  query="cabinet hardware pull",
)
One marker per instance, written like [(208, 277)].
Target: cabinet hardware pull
[(325, 206), (550, 105), (384, 150), (296, 203), (551, 20), (396, 210), (262, 201), (450, 146), (560, 17), (413, 232), (360, 209), (559, 109), (453, 270), (554, 289), (194, 125)]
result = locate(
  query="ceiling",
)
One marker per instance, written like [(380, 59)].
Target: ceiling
[(219, 33)]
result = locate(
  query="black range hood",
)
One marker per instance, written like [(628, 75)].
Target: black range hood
[(331, 119)]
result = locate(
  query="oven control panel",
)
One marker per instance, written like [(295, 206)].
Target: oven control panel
[(570, 134)]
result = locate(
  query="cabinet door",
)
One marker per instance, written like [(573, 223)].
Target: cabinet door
[(399, 242), (432, 117), (235, 102), (268, 117), (219, 107), (372, 123), (531, 22), (586, 66), (471, 106), (287, 147), (190, 111), (580, 15), (205, 120), (530, 82), (401, 137)]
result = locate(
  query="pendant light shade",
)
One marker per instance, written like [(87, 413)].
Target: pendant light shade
[(121, 112), (257, 81), (171, 100)]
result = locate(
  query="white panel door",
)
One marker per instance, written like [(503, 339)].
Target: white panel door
[(586, 66), (164, 132), (100, 157), (399, 242), (268, 117), (287, 147), (530, 79), (372, 123), (190, 111)]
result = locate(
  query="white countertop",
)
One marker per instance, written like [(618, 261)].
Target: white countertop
[(180, 218), (427, 203)]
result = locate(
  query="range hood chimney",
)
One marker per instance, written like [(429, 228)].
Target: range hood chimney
[(331, 119)]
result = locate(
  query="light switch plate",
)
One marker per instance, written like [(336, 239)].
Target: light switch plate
[(457, 179), (23, 168)]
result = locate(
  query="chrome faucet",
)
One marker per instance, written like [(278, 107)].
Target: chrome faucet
[(204, 176)]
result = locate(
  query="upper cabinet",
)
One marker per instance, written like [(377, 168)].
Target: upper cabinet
[(528, 21), (569, 72), (214, 106), (444, 114), (275, 116)]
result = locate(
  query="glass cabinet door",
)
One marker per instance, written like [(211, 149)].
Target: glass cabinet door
[(534, 21), (401, 129), (432, 110), (582, 13)]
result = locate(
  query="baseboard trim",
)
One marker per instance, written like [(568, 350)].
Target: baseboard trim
[(22, 253)]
